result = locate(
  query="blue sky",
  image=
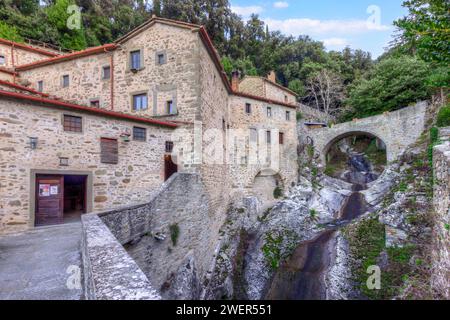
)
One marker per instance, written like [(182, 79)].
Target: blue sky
[(360, 24)]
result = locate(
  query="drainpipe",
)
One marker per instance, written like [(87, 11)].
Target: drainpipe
[(13, 62), (111, 62)]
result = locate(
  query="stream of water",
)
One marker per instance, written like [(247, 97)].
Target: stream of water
[(301, 277)]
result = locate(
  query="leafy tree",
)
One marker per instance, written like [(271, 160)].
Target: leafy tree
[(70, 38), (9, 32), (426, 29), (394, 83)]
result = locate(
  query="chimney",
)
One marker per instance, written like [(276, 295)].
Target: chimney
[(272, 77), (235, 77)]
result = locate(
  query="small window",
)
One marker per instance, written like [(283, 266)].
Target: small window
[(161, 58), (269, 112), (95, 103), (139, 134), (268, 137), (65, 81), (286, 99), (253, 135), (288, 115), (281, 137), (135, 63), (169, 146), (224, 125), (73, 123), (170, 107), (248, 108), (40, 86), (2, 60), (140, 102), (109, 151), (106, 73)]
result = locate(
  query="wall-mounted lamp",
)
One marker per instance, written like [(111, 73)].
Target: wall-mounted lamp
[(33, 143), (125, 136)]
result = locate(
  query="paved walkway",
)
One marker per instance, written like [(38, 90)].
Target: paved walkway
[(42, 264)]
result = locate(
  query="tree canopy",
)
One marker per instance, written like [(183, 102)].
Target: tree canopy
[(358, 83)]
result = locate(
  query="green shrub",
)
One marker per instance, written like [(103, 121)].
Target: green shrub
[(443, 117), (174, 233), (299, 116), (277, 193)]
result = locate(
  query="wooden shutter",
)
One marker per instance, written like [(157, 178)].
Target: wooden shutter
[(109, 151)]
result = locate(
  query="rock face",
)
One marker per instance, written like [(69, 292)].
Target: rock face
[(258, 245)]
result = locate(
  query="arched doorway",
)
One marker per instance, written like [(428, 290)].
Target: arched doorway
[(268, 188)]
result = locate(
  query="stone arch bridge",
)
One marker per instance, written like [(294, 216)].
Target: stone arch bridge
[(398, 130)]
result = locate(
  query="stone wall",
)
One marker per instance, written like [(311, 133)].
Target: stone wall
[(311, 115), (109, 272), (262, 87), (145, 230), (441, 252), (85, 80), (138, 174), (21, 56)]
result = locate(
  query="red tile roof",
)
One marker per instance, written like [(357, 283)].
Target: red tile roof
[(68, 57), (28, 48), (8, 71), (23, 88), (46, 102)]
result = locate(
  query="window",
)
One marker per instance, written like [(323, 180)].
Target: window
[(253, 135), (169, 146), (73, 123), (95, 103), (65, 81), (109, 151), (268, 137), (106, 73), (269, 112), (139, 134), (248, 108), (281, 137), (135, 62), (170, 107), (288, 115), (40, 86), (161, 58), (224, 125), (286, 99), (140, 102), (2, 60)]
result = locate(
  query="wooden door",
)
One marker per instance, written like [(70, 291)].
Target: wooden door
[(49, 199), (169, 167)]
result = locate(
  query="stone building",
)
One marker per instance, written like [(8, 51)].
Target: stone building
[(103, 129), (13, 54)]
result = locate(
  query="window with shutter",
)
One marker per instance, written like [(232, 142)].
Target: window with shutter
[(109, 151)]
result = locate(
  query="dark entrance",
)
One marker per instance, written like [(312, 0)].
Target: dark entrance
[(60, 198), (169, 167)]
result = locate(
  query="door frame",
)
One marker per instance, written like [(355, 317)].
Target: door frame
[(88, 192)]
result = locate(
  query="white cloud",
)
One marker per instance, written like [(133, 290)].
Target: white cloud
[(281, 4), (247, 11), (297, 27), (335, 42)]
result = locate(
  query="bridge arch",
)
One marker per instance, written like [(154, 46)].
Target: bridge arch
[(357, 133), (398, 130)]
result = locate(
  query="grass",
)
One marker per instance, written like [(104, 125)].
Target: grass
[(367, 242), (277, 193), (174, 233), (443, 117), (272, 250)]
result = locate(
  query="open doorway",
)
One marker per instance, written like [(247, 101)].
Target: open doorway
[(59, 199), (170, 168)]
